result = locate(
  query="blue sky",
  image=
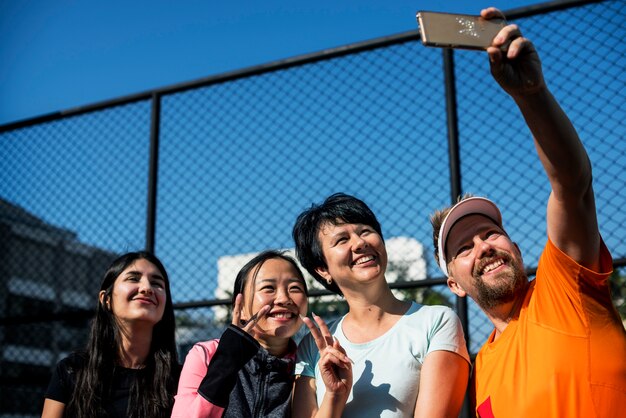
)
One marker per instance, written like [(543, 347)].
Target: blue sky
[(57, 55)]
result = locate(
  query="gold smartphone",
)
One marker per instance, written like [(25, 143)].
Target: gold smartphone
[(457, 30)]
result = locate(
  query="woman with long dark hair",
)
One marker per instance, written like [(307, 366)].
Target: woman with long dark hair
[(130, 366)]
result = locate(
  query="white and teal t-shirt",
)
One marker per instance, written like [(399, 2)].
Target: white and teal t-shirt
[(386, 370)]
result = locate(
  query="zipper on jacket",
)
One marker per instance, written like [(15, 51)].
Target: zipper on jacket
[(260, 400)]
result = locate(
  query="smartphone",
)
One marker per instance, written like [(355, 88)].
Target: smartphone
[(457, 31)]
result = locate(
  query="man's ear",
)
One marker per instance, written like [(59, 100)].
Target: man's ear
[(456, 287)]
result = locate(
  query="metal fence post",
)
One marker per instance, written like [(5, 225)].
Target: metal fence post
[(455, 177), (153, 171)]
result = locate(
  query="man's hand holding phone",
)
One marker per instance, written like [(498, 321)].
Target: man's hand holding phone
[(514, 61), (515, 64)]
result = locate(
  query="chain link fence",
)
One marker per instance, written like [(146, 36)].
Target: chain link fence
[(210, 173)]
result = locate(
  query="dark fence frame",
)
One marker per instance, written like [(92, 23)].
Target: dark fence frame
[(155, 97)]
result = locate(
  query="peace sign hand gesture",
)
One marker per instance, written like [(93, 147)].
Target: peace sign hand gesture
[(247, 324), (335, 366)]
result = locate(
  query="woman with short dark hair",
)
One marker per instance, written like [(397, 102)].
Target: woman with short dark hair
[(386, 357)]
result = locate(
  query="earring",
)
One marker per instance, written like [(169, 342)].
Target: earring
[(329, 281)]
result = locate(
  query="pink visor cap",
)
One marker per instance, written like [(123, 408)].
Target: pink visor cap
[(469, 206)]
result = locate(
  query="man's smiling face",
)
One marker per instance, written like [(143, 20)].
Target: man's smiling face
[(484, 263)]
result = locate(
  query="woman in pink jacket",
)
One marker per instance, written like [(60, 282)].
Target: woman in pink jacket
[(248, 372)]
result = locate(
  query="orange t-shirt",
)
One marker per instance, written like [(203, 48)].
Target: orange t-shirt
[(565, 356)]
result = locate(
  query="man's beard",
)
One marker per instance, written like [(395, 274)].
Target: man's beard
[(507, 283)]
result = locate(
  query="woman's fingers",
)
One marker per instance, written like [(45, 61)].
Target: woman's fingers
[(251, 323), (320, 332), (325, 341), (246, 324), (335, 370), (328, 338), (337, 357), (237, 310), (320, 342), (335, 366), (337, 346)]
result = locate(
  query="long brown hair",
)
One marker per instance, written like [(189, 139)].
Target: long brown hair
[(151, 395)]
